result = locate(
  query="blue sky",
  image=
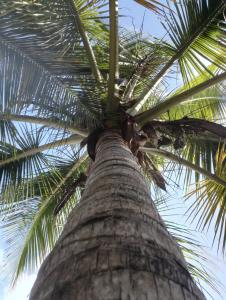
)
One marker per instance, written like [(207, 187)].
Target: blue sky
[(151, 25)]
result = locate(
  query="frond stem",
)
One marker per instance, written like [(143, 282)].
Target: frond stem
[(67, 141), (177, 99), (182, 161), (85, 39), (112, 103), (42, 121)]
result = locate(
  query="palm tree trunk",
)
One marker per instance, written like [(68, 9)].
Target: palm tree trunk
[(115, 245)]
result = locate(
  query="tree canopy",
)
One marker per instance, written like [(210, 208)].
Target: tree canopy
[(68, 69)]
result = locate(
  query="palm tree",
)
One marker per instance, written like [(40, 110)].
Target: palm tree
[(71, 81)]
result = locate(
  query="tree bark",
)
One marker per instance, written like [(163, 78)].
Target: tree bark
[(115, 245)]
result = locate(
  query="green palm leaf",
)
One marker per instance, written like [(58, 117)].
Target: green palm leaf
[(196, 34), (197, 42), (194, 251), (27, 156), (209, 205), (7, 131), (208, 104), (32, 216), (45, 77), (15, 171)]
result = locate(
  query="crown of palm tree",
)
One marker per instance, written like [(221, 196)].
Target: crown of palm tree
[(67, 73)]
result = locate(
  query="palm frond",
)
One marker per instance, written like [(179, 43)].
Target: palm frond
[(179, 98), (28, 155), (197, 36), (194, 253), (29, 225), (197, 41), (87, 44), (17, 154), (43, 62), (202, 153), (193, 249), (209, 207), (8, 127), (7, 130), (17, 170), (208, 104), (195, 167), (201, 149), (153, 5), (113, 101)]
